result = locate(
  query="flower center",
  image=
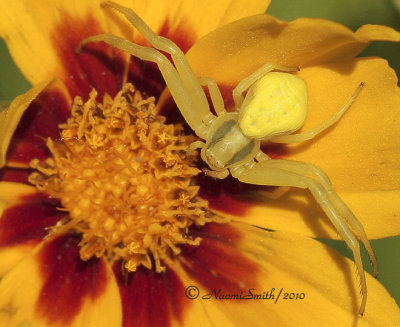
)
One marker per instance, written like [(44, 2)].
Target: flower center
[(125, 178)]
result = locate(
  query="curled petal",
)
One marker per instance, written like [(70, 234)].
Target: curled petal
[(9, 118), (224, 54), (370, 32), (39, 122)]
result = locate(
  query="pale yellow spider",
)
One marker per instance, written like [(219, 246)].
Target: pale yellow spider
[(269, 106)]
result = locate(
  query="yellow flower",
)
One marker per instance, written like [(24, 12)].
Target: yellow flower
[(69, 259)]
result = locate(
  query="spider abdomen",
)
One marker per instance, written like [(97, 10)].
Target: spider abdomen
[(275, 105)]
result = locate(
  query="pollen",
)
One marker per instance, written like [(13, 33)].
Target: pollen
[(126, 180)]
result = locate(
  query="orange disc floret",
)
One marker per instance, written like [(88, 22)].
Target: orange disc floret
[(125, 177)]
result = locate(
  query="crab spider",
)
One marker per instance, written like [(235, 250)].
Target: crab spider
[(270, 105)]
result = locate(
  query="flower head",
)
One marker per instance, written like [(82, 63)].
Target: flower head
[(104, 208)]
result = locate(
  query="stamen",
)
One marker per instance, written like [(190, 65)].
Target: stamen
[(125, 177)]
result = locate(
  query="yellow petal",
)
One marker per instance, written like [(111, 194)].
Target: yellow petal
[(24, 219), (193, 18), (23, 289), (10, 194), (29, 32), (299, 281), (10, 256), (360, 154), (201, 312), (233, 52), (365, 143), (371, 32), (297, 265), (297, 211), (13, 193), (10, 117), (42, 37)]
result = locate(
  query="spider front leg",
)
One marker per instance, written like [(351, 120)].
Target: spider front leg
[(215, 94), (182, 97), (180, 79), (185, 71), (293, 174)]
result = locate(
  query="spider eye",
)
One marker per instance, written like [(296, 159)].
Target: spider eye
[(275, 105)]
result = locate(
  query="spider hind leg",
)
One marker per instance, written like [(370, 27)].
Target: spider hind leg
[(310, 134), (298, 174)]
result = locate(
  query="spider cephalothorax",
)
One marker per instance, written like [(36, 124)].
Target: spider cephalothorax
[(270, 105)]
